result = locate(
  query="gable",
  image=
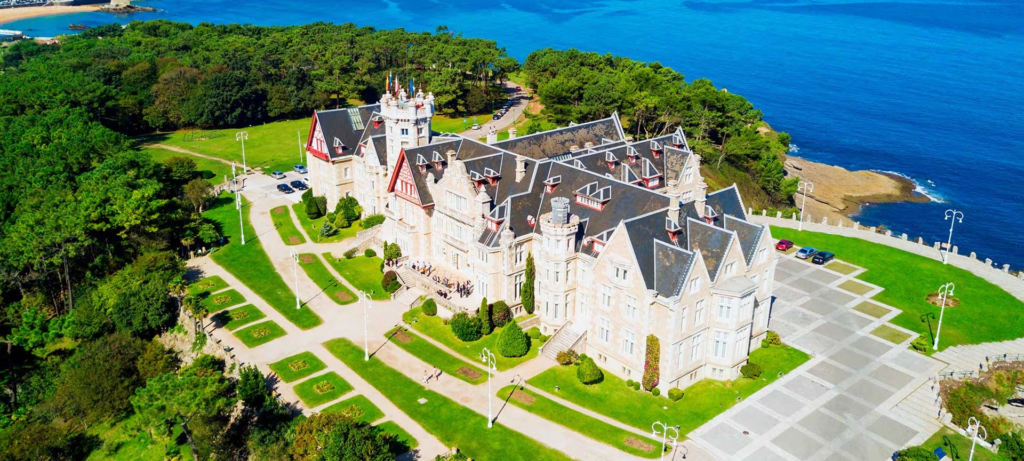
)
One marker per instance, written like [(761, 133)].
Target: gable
[(316, 144), (402, 182)]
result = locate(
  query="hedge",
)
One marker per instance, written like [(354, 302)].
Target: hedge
[(512, 341)]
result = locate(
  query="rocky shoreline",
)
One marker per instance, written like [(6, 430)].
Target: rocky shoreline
[(126, 9)]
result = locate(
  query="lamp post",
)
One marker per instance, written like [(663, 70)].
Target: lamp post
[(241, 136), (664, 434), (366, 325), (488, 358), (805, 187), (956, 215), (945, 291), (298, 136), (295, 268), (973, 422), (238, 203)]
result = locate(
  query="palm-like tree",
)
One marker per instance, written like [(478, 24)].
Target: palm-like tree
[(178, 289), (197, 311)]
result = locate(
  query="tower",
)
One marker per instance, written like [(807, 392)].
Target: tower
[(407, 121), (555, 286)]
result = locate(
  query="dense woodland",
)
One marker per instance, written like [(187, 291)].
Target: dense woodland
[(94, 234)]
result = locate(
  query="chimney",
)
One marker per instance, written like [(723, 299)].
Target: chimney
[(492, 136), (559, 211), (512, 133), (520, 167), (700, 198), (673, 206), (451, 157), (588, 144)]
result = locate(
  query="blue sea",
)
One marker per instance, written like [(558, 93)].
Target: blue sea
[(931, 90)]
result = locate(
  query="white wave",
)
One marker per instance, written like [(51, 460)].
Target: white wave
[(794, 148), (918, 187)]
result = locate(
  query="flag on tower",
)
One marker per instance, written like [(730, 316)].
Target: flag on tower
[(412, 89), (387, 88)]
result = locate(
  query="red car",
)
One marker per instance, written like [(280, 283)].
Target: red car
[(519, 88), (783, 245)]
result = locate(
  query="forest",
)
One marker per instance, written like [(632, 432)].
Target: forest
[(94, 234)]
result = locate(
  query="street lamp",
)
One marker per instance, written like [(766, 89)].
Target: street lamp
[(945, 291), (366, 327), (488, 358), (298, 135), (238, 203), (242, 136), (956, 215), (974, 437), (664, 433), (295, 267), (805, 187)]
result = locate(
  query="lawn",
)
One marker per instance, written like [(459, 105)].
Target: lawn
[(443, 124), (211, 170), (260, 333), (297, 366), (361, 272), (403, 442), (318, 273), (131, 445), (436, 329), (286, 227), (206, 285), (434, 356), (576, 421), (321, 389), (251, 265), (890, 334), (961, 445), (367, 411), (454, 425), (272, 146), (700, 403), (238, 317), (222, 300), (312, 227), (987, 313)]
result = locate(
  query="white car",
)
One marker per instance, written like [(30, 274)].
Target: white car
[(277, 175), (476, 126)]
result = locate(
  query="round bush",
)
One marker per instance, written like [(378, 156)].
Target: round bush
[(588, 372), (636, 385), (500, 314), (369, 253), (773, 338), (629, 383), (656, 391), (393, 286), (675, 394), (512, 342), (429, 307), (389, 276), (567, 357), (920, 344), (751, 371), (464, 327)]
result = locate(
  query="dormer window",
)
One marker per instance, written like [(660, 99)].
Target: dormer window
[(678, 140), (650, 174), (673, 228), (421, 162), (478, 179), (550, 183), (633, 155), (611, 160), (710, 216), (438, 161), (656, 149), (492, 176), (593, 196), (377, 121)]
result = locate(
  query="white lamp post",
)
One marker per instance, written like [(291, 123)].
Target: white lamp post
[(973, 422), (238, 204), (956, 215), (242, 136), (945, 291), (298, 135), (488, 358), (295, 268), (805, 187), (366, 323), (664, 434)]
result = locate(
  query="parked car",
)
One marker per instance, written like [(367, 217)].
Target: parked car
[(300, 169), (277, 175), (284, 188), (823, 257), (783, 245), (496, 116), (299, 185), (476, 126), (519, 88), (806, 252)]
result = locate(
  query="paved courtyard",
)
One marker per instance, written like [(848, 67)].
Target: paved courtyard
[(840, 404)]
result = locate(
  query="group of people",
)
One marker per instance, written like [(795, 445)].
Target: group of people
[(436, 374), (422, 267), (463, 289)]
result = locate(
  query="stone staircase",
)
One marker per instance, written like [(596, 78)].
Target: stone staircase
[(920, 410), (409, 296), (967, 358), (563, 340)]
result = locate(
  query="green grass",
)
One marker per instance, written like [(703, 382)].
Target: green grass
[(434, 356), (134, 445), (238, 317), (872, 309), (251, 265), (402, 438), (362, 273), (318, 273), (333, 387), (576, 421), (443, 124), (856, 287), (988, 314), (211, 170), (370, 412), (454, 425), (284, 369), (700, 403), (436, 329), (206, 285), (286, 227), (268, 330), (222, 300), (312, 227), (890, 334), (961, 444), (273, 146), (839, 267), (524, 317)]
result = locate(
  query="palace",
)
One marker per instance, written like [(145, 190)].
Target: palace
[(627, 242)]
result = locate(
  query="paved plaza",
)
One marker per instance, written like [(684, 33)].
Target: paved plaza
[(840, 404)]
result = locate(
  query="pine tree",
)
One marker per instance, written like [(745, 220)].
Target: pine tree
[(527, 291)]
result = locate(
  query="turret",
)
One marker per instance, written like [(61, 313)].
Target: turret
[(407, 121)]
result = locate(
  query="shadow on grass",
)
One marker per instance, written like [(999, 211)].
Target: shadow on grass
[(398, 327), (927, 317)]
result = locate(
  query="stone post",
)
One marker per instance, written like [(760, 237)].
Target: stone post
[(824, 221), (840, 223), (764, 212), (938, 245), (920, 241), (873, 228), (750, 210), (904, 237), (888, 233), (1006, 268), (778, 214), (974, 255), (956, 250)]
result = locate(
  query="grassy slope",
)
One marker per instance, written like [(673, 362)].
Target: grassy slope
[(312, 227), (132, 445), (435, 328), (434, 356), (986, 312), (362, 272), (250, 264), (700, 403), (285, 226), (273, 146), (212, 170), (323, 279)]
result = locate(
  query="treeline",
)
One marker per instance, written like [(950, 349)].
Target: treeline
[(653, 100), (161, 75)]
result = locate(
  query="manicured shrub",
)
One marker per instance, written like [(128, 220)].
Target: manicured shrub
[(567, 357), (466, 328), (348, 207), (526, 292), (341, 222), (308, 194), (312, 211), (534, 333), (751, 370), (429, 307), (350, 253), (512, 341), (393, 286), (636, 385), (656, 392), (389, 276), (916, 454), (773, 338), (920, 344), (652, 358), (588, 372), (321, 204), (373, 220), (543, 338), (629, 383), (500, 314), (675, 394), (484, 315), (369, 253)]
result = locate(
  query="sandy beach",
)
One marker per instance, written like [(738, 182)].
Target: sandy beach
[(14, 14)]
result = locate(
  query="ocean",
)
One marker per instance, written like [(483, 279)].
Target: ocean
[(928, 90)]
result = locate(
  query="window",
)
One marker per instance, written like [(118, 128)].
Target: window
[(681, 355), (730, 268), (726, 307), (762, 255), (696, 349), (519, 254), (621, 274), (519, 287), (347, 173), (687, 196), (481, 255), (606, 296), (628, 342), (456, 201), (695, 285), (739, 350), (698, 313), (721, 344), (630, 307), (688, 175), (605, 330), (405, 131), (682, 324), (555, 312)]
